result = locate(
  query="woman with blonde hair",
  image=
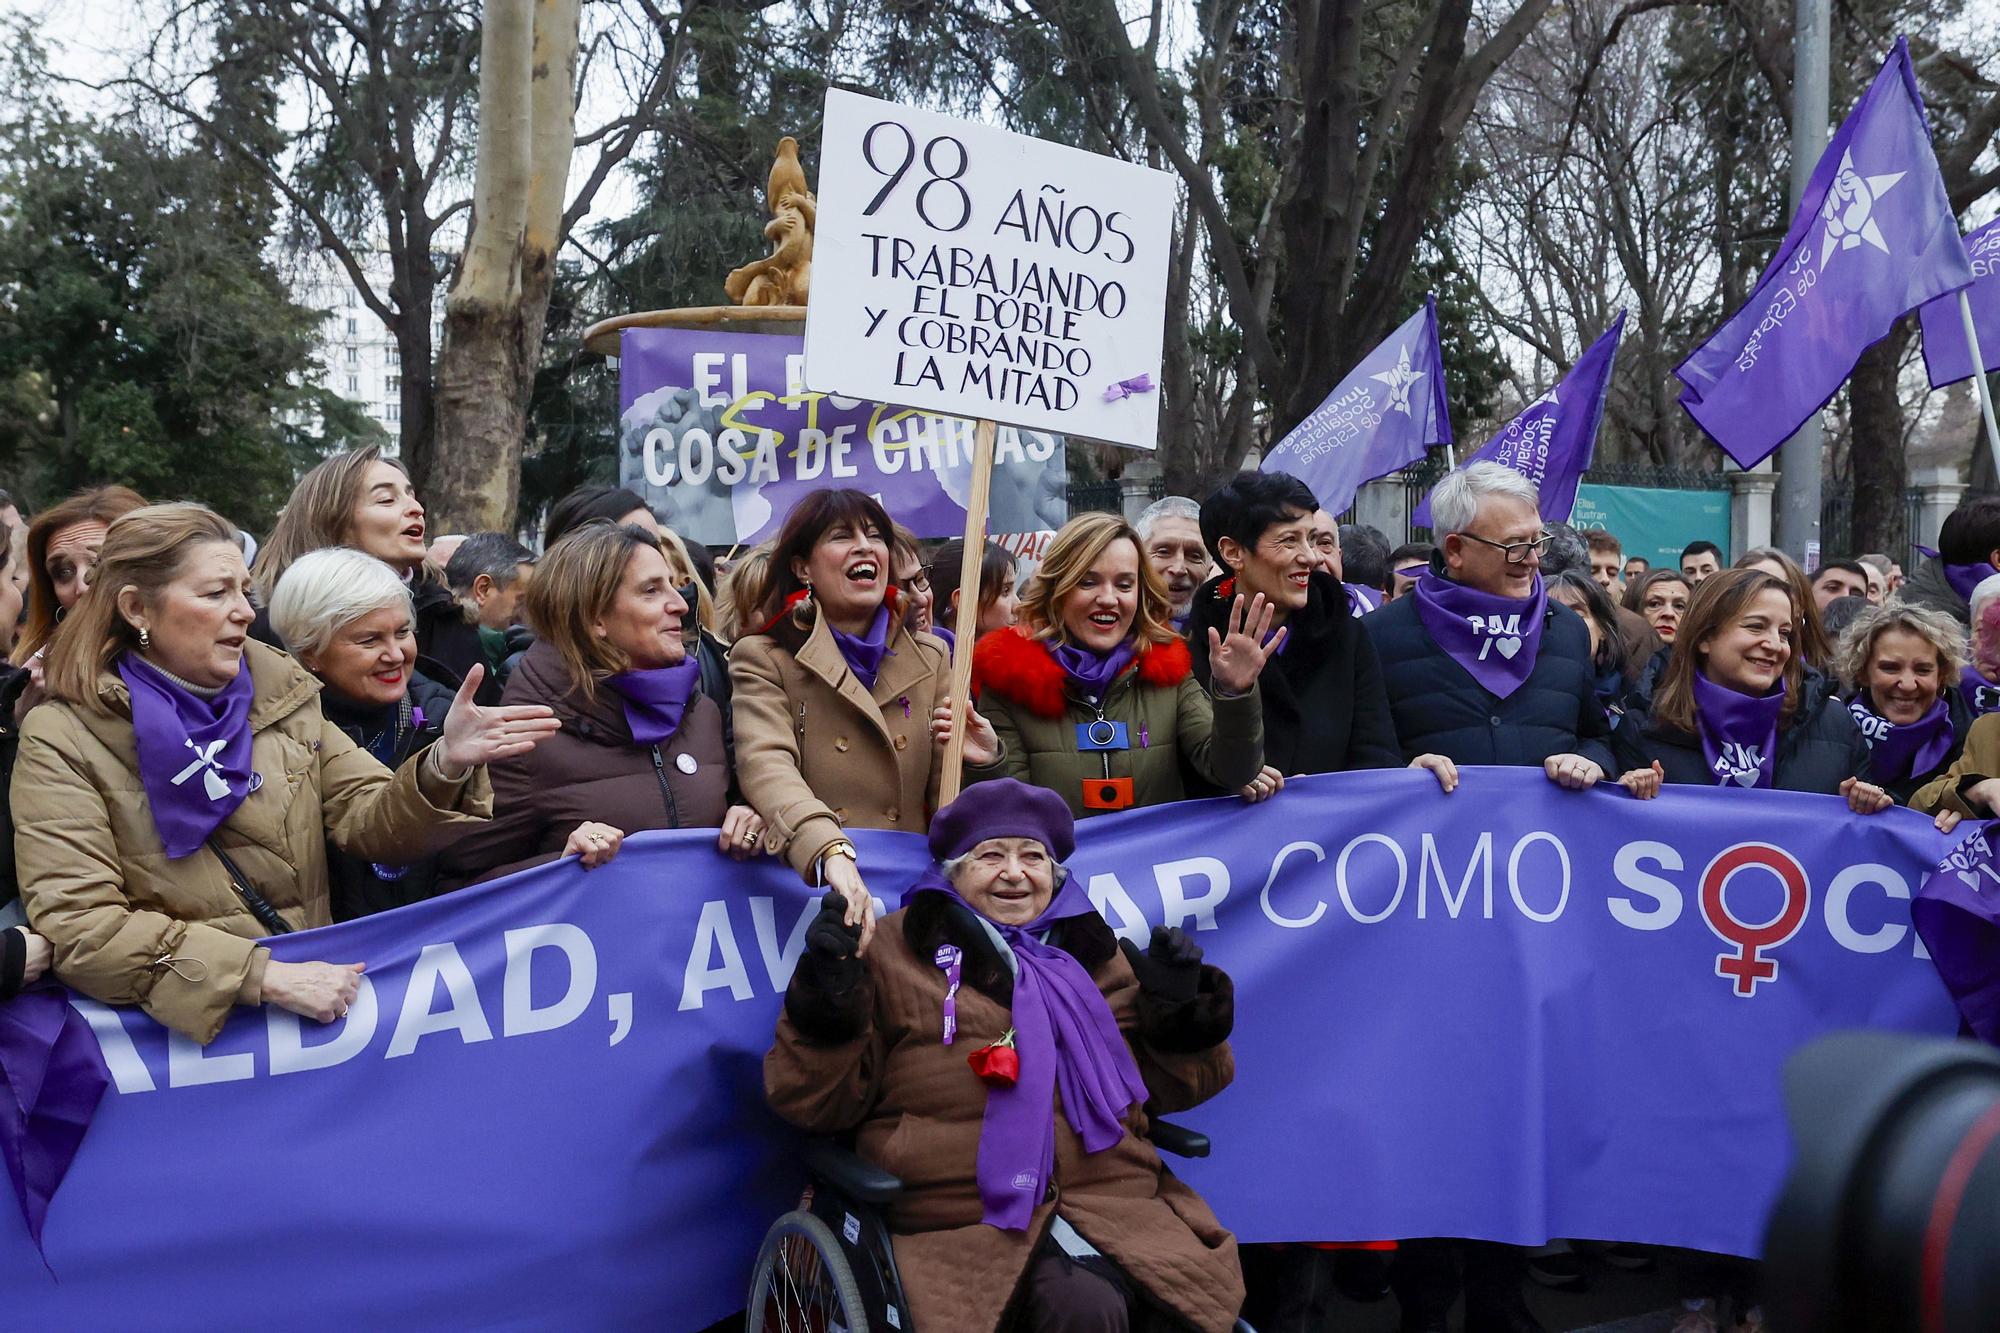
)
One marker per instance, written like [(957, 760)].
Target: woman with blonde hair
[(365, 501), (642, 744), (742, 592), (1091, 693), (175, 797), (1905, 662)]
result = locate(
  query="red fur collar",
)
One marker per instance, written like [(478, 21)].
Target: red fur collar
[(1022, 670)]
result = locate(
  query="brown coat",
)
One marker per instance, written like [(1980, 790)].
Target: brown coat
[(1978, 761), (816, 753), (129, 925), (590, 770), (870, 1059)]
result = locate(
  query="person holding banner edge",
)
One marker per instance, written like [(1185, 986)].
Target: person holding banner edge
[(154, 891), (1093, 695), (841, 711)]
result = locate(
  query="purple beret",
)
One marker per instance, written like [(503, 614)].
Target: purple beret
[(1003, 808)]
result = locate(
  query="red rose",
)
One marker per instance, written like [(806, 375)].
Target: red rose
[(999, 1064)]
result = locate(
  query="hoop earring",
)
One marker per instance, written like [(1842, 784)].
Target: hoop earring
[(145, 639)]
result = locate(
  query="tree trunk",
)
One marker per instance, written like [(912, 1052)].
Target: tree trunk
[(1878, 467), (499, 301)]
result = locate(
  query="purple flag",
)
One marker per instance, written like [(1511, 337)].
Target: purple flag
[(1947, 355), (1550, 443), (1874, 238), (1388, 410)]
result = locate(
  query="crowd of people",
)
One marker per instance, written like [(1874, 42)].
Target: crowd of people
[(212, 741)]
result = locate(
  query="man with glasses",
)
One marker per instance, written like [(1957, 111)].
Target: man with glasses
[(1483, 668)]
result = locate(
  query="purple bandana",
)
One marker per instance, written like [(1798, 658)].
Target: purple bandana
[(1089, 670), (1739, 734), (1981, 695), (1494, 638), (1069, 1042), (1361, 599), (1899, 752), (864, 655), (1964, 578), (52, 1073), (655, 699), (194, 753)]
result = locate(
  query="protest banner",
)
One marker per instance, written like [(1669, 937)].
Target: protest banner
[(719, 434), (990, 275), (1513, 1012)]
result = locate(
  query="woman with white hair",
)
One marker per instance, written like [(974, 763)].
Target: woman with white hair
[(1979, 679), (349, 619)]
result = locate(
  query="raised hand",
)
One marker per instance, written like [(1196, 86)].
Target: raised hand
[(474, 735), (1236, 660)]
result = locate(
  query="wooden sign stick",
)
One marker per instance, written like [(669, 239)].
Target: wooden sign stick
[(968, 610)]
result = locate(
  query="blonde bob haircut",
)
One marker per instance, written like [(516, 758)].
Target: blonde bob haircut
[(326, 591), (1071, 555), (145, 550), (319, 514), (575, 583), (1944, 634)]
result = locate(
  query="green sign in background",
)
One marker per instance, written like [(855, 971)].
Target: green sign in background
[(1655, 524)]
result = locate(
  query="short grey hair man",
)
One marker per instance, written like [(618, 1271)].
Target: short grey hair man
[(1170, 540), (326, 591), (1455, 500), (488, 574), (1167, 506)]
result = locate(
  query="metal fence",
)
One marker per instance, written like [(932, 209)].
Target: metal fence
[(1107, 497)]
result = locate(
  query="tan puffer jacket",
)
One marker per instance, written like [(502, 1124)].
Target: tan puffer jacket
[(130, 926)]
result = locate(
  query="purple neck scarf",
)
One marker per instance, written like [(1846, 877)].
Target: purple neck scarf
[(52, 1073), (194, 753), (1964, 578), (1361, 599), (864, 654), (950, 639), (1494, 638), (1981, 695), (1069, 1042), (1899, 752), (1739, 734), (655, 699), (1089, 670)]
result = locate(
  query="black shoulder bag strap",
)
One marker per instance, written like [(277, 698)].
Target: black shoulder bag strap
[(260, 906)]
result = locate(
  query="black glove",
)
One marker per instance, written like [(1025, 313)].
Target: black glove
[(1170, 969), (829, 936)]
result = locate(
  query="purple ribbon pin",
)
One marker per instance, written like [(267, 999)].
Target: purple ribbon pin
[(1126, 388), (948, 957)]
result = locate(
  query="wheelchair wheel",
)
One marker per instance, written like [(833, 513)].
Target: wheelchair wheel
[(803, 1283)]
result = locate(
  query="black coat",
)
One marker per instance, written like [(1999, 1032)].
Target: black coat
[(1438, 708), (1962, 718), (1325, 710), (13, 945), (355, 887), (1819, 750)]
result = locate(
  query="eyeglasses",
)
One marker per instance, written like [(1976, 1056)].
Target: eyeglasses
[(917, 582), (1516, 552)]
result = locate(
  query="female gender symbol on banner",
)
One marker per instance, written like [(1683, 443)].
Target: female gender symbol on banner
[(1745, 965)]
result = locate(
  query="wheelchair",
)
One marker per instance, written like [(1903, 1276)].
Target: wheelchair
[(828, 1267)]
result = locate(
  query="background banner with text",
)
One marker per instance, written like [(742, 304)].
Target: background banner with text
[(1513, 1012)]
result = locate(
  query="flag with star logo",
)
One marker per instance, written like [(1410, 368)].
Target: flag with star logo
[(1947, 354), (1388, 410), (1874, 238), (1552, 440)]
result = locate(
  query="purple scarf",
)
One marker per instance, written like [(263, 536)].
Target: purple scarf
[(194, 753), (1494, 638), (1981, 695), (52, 1073), (1739, 734), (950, 639), (1068, 1042), (1089, 670), (655, 699), (1962, 578), (1899, 752), (864, 655), (1361, 599)]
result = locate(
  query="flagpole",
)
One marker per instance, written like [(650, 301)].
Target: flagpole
[(1979, 384)]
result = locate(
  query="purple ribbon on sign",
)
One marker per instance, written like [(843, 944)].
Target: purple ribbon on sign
[(951, 958), (1126, 388), (52, 1075), (1494, 638)]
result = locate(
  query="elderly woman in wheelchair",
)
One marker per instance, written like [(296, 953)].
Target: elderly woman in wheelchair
[(998, 1051)]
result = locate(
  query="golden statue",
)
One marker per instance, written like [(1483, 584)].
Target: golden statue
[(785, 277)]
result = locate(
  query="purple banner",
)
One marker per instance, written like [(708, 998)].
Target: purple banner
[(1947, 355), (719, 435), (1513, 1012)]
